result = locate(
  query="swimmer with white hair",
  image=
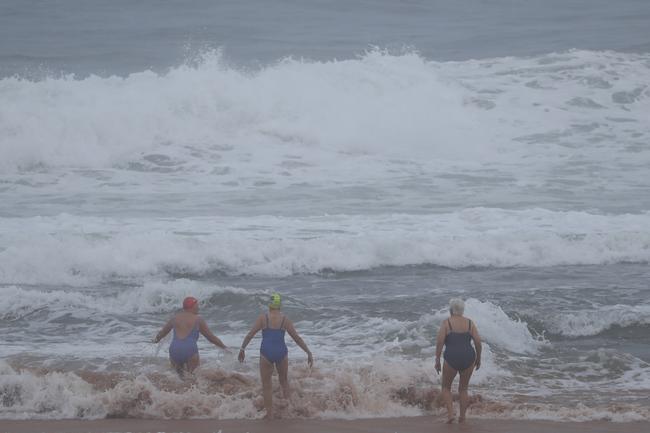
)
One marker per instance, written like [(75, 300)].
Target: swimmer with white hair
[(456, 334)]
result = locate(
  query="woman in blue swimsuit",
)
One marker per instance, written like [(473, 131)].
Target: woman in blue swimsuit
[(456, 335), (273, 350), (187, 324)]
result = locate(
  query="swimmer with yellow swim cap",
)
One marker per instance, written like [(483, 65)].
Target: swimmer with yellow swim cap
[(273, 350), (276, 302)]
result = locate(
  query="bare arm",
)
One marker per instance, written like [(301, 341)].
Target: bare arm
[(477, 344), (164, 331), (259, 324), (299, 341), (440, 342), (205, 331)]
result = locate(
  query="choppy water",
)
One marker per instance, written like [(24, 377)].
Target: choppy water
[(189, 156)]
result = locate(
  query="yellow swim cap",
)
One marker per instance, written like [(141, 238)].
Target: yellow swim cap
[(276, 301)]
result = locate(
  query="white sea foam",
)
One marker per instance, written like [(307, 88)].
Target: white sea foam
[(152, 297), (568, 126), (345, 105), (206, 113), (343, 391), (370, 389), (26, 395), (383, 338), (378, 378), (79, 250), (372, 335), (593, 322), (373, 338)]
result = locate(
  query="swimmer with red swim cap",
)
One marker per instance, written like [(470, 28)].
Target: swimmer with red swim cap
[(187, 324)]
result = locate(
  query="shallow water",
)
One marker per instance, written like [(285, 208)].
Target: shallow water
[(186, 156)]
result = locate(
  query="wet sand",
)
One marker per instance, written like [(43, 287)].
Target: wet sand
[(376, 425)]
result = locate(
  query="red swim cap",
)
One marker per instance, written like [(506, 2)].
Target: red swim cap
[(189, 303)]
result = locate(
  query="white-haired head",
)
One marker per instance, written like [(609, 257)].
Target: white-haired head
[(456, 306)]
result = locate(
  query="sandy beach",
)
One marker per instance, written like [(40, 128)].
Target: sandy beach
[(376, 425)]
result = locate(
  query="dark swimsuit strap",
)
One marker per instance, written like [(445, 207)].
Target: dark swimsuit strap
[(448, 321)]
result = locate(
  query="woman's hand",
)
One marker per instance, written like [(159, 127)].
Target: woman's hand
[(438, 366), (477, 365), (310, 360), (242, 355)]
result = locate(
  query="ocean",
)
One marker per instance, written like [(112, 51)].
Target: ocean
[(369, 160)]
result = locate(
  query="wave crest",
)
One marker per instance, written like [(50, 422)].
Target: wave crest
[(83, 250), (153, 297), (594, 322), (202, 111)]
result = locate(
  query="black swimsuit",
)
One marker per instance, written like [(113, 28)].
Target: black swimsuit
[(459, 352)]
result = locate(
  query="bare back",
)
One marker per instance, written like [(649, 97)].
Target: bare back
[(184, 322), (276, 319), (458, 324)]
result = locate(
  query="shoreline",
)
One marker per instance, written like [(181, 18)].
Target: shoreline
[(375, 425)]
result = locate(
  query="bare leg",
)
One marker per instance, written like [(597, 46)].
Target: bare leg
[(448, 375), (266, 374), (193, 362), (463, 384), (283, 374), (177, 367)]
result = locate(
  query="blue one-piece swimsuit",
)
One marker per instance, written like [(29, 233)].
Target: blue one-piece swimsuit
[(459, 352), (273, 347), (182, 349)]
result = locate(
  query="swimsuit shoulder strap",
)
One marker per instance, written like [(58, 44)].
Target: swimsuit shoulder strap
[(195, 328), (449, 322), (282, 323), (470, 325)]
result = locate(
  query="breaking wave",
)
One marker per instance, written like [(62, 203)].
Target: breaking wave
[(84, 250), (593, 322), (405, 106)]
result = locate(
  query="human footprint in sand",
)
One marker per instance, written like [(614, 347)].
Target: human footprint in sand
[(273, 350), (183, 350), (456, 334)]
